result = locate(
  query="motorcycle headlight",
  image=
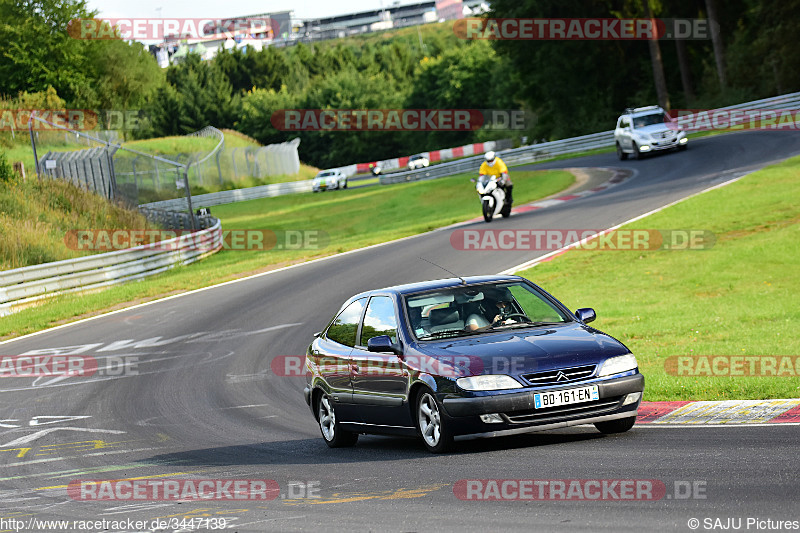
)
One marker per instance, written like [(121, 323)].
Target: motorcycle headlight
[(488, 382), (616, 365)]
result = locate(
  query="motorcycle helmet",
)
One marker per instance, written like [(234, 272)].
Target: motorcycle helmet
[(489, 156)]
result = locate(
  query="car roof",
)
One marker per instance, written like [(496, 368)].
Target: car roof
[(445, 283), (648, 110)]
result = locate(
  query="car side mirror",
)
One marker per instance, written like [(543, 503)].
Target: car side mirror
[(317, 334), (585, 314), (382, 344)]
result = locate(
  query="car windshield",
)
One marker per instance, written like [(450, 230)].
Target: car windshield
[(648, 120), (477, 309), (325, 173)]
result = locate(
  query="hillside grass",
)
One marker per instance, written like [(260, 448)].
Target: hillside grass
[(35, 217)]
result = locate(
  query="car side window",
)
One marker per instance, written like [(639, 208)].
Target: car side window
[(379, 320), (343, 328)]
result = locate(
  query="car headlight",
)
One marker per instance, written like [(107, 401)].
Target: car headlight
[(616, 365), (488, 382)]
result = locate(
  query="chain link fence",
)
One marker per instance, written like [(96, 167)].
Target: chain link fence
[(99, 162), (115, 172)]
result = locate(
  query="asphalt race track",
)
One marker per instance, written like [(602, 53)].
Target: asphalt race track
[(205, 403)]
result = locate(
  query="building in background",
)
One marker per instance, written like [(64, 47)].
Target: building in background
[(394, 16), (286, 29)]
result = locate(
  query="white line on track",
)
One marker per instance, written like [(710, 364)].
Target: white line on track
[(539, 259), (731, 425)]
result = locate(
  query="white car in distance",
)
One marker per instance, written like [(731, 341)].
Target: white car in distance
[(331, 179), (418, 161), (644, 130)]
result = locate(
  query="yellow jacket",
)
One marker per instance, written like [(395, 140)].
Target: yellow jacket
[(495, 170)]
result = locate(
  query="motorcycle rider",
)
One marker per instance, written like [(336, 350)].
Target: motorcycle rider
[(494, 166)]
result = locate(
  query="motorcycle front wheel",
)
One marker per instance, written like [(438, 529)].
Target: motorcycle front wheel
[(488, 212)]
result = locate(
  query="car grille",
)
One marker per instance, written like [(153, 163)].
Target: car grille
[(666, 135), (550, 377), (564, 412)]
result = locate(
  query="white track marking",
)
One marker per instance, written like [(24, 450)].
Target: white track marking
[(39, 434), (732, 425), (534, 262)]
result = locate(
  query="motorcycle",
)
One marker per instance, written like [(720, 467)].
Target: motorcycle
[(493, 198)]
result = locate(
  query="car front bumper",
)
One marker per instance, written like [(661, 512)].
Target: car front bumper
[(518, 413), (665, 144)]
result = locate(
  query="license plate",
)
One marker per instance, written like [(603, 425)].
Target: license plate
[(543, 400)]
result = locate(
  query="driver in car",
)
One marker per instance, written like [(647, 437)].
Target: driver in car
[(476, 321)]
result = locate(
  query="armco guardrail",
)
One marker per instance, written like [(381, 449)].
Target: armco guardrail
[(538, 152), (175, 219), (22, 286), (236, 195)]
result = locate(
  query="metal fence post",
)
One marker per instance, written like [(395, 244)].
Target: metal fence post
[(235, 170), (219, 167), (188, 196), (33, 144)]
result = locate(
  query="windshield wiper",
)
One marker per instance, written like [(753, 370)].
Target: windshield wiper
[(450, 333), (525, 325)]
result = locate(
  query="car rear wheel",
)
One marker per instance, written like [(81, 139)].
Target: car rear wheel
[(432, 428), (332, 433), (622, 155), (620, 425)]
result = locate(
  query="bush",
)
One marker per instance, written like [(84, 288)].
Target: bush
[(7, 174)]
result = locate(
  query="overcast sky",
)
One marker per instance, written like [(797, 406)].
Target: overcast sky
[(220, 9)]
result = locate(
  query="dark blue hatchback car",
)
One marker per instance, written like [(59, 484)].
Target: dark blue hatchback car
[(481, 356)]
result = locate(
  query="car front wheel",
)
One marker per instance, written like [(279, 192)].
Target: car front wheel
[(332, 433), (620, 425), (622, 155), (432, 428), (636, 154)]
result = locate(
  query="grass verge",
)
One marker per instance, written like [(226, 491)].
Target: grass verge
[(352, 218), (737, 298)]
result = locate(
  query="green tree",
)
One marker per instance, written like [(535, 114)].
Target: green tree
[(36, 51)]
